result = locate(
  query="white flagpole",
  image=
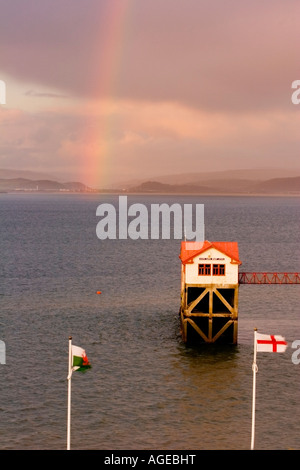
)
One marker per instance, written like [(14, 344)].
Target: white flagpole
[(69, 395), (254, 368)]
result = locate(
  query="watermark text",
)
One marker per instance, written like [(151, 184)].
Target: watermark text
[(2, 92), (160, 221), (296, 94), (296, 354), (2, 352)]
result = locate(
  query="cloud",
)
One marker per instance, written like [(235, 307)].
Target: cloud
[(206, 54), (39, 94), (141, 88), (149, 139), (33, 140)]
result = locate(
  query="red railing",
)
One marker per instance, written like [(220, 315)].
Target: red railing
[(269, 278)]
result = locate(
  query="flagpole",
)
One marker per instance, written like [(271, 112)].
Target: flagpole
[(254, 369), (69, 395)]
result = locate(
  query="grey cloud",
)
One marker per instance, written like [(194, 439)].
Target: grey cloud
[(229, 55), (39, 94)]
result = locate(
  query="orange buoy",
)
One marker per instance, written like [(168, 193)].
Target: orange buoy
[(98, 291)]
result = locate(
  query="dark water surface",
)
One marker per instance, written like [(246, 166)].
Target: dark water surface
[(146, 389)]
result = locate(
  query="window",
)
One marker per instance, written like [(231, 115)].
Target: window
[(204, 269), (219, 269)]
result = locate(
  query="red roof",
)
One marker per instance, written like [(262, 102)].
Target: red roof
[(191, 249)]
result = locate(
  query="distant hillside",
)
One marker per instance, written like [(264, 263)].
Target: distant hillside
[(24, 184), (254, 175), (156, 187), (213, 185), (215, 178), (278, 185), (31, 175), (272, 186)]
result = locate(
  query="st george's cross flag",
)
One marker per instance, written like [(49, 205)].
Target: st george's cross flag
[(80, 361), (270, 343), (263, 343)]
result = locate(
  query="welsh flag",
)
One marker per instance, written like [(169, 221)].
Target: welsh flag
[(80, 361), (270, 343)]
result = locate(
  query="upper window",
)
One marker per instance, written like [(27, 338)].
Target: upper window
[(204, 269), (219, 269)]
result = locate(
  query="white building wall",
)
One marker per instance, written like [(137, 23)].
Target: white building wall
[(211, 256)]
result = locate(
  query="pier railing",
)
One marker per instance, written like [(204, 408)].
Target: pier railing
[(269, 278)]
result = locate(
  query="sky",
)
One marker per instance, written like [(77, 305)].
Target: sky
[(106, 91)]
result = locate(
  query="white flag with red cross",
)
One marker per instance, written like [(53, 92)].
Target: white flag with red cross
[(270, 343), (263, 343)]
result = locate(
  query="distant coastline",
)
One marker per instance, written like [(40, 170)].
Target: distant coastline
[(279, 187), (127, 193)]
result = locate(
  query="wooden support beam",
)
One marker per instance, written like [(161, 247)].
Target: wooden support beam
[(236, 301), (201, 314), (210, 317), (221, 331), (235, 331), (194, 318), (223, 300), (196, 327), (195, 302), (183, 327)]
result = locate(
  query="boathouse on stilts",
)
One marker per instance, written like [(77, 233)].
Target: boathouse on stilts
[(209, 291)]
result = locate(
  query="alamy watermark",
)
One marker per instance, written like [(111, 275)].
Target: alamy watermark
[(2, 352), (296, 94), (2, 92), (296, 354), (160, 221)]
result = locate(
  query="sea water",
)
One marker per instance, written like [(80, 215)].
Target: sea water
[(146, 388)]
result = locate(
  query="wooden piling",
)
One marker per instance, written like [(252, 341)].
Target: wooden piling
[(210, 323)]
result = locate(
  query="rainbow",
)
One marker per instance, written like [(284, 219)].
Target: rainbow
[(98, 136)]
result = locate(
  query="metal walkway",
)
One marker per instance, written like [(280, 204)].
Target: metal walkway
[(269, 278)]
